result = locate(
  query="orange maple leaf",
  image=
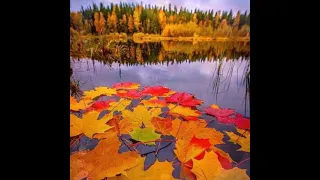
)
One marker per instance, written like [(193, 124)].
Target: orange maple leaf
[(162, 125), (103, 161)]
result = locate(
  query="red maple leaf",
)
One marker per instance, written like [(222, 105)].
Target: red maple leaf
[(184, 99), (225, 120), (132, 94), (219, 112), (241, 122), (225, 163), (222, 115), (100, 105), (155, 90)]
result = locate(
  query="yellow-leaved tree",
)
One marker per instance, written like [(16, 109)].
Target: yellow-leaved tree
[(136, 16), (162, 19), (99, 23), (130, 24)]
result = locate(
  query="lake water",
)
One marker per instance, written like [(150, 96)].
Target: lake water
[(216, 73)]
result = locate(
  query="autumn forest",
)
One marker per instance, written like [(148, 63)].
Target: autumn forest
[(128, 19)]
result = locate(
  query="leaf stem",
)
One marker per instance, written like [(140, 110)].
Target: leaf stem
[(76, 140), (242, 162)]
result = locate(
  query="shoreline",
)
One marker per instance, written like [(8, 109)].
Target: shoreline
[(139, 37)]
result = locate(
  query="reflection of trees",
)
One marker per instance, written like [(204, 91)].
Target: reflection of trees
[(130, 53)]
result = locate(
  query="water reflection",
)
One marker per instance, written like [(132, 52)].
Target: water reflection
[(218, 73)]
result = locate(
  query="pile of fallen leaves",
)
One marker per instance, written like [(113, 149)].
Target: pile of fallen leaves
[(129, 132)]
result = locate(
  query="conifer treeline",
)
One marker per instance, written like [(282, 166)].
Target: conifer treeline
[(134, 18)]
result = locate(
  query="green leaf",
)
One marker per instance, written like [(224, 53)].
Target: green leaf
[(145, 135)]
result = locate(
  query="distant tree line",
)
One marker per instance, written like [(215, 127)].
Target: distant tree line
[(171, 22)]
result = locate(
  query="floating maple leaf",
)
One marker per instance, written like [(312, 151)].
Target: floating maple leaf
[(89, 124), (141, 114), (223, 157), (145, 135), (222, 115), (185, 112), (184, 99), (234, 174), (81, 105), (126, 85), (123, 126), (158, 171), (219, 112), (119, 106), (244, 142), (154, 102), (162, 125), (132, 94), (99, 91), (103, 161), (100, 105), (155, 90), (241, 122), (207, 168), (168, 94)]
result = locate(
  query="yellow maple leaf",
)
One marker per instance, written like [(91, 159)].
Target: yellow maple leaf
[(234, 174), (81, 105), (89, 124), (215, 106), (106, 91), (125, 127), (185, 129), (244, 142), (140, 115), (103, 161), (119, 106), (186, 112), (214, 136), (98, 92), (158, 171), (208, 167)]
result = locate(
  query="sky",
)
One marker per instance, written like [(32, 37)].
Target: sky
[(235, 5)]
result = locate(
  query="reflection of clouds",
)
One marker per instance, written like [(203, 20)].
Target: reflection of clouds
[(195, 78)]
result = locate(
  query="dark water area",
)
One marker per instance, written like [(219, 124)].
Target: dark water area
[(217, 73)]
